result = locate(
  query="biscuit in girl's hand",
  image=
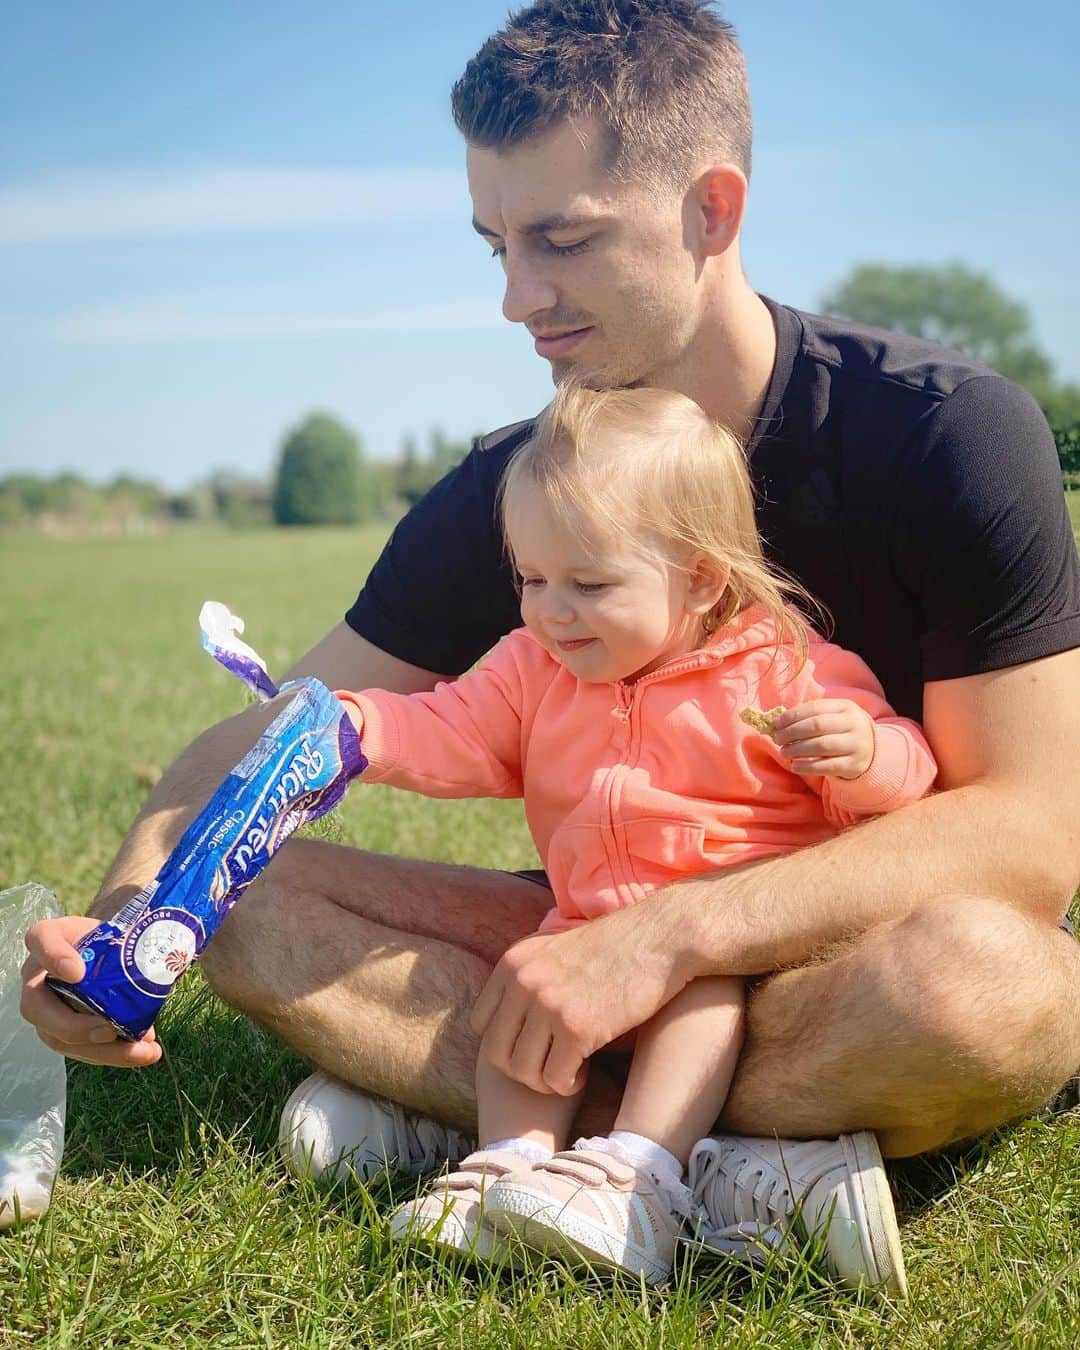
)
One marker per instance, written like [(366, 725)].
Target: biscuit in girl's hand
[(765, 722)]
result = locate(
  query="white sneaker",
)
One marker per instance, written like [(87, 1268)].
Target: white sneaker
[(755, 1192), (333, 1132)]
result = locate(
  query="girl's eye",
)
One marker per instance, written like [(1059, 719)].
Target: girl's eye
[(530, 581), (499, 251), (590, 587)]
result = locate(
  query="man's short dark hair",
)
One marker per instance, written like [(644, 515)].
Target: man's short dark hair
[(665, 77)]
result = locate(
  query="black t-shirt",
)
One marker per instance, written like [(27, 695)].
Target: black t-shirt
[(915, 492)]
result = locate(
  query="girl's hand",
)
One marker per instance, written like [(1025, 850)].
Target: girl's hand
[(831, 736)]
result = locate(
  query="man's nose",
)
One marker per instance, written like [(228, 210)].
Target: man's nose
[(528, 292)]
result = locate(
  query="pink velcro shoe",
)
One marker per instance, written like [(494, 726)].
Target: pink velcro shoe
[(453, 1211), (591, 1208)]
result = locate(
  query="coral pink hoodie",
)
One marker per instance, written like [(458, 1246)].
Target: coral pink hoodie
[(630, 786)]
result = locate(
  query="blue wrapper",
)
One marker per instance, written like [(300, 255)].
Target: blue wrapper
[(298, 770)]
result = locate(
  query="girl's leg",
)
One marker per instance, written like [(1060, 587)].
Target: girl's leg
[(529, 1125), (509, 1110), (618, 1203), (683, 1064)]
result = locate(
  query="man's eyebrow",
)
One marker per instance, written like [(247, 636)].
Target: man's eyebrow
[(549, 225)]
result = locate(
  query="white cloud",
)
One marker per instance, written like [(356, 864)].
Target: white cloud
[(216, 200), (175, 324)]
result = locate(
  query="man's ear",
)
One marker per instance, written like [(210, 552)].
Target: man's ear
[(718, 197), (708, 582)]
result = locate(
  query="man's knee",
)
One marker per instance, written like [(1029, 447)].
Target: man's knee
[(985, 989), (258, 935)]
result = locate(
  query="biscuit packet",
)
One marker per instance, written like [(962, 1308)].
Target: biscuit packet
[(298, 770)]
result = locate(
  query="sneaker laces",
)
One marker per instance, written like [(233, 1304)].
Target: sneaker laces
[(422, 1144), (745, 1203)]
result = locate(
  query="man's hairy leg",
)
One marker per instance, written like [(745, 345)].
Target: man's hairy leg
[(369, 966), (928, 1029)]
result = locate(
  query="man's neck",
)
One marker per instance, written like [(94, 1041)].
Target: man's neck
[(728, 368)]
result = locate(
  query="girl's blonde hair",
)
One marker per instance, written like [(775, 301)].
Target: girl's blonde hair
[(651, 466)]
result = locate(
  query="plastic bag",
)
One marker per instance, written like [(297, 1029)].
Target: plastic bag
[(33, 1082)]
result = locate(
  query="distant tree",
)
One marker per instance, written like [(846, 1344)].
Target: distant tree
[(320, 478), (30, 492), (444, 454), (950, 304), (1068, 446), (125, 494), (240, 503), (26, 497), (416, 474), (1062, 407), (12, 510), (412, 481), (382, 484), (70, 495)]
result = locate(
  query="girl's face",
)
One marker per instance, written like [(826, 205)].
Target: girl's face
[(607, 612)]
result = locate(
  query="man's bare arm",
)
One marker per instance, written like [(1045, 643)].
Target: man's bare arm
[(1005, 824), (341, 660)]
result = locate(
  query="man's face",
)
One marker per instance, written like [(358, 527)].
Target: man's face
[(599, 271)]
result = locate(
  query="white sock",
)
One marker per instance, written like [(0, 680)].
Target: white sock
[(639, 1151), (528, 1149)]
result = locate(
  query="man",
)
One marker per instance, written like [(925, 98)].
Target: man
[(916, 982)]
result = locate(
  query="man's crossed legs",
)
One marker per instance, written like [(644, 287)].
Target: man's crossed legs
[(925, 1030)]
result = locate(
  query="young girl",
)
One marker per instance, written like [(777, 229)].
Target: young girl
[(651, 623)]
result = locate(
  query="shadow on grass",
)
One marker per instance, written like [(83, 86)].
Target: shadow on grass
[(922, 1182), (219, 1070)]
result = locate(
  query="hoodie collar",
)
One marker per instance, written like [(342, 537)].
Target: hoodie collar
[(751, 629)]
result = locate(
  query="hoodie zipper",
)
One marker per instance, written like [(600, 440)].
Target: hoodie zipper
[(618, 854)]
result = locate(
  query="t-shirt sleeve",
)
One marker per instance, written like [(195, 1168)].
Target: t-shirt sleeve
[(984, 538), (441, 593)]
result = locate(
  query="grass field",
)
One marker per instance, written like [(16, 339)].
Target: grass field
[(174, 1224)]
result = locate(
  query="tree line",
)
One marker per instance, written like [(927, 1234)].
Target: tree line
[(323, 477)]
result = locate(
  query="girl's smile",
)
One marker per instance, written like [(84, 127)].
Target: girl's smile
[(608, 611)]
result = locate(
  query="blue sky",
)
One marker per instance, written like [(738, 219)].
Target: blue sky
[(215, 218)]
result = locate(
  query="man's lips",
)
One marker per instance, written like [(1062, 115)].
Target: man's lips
[(574, 644), (558, 344)]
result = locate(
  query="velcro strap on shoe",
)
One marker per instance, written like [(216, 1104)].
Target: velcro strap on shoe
[(591, 1167), (483, 1164)]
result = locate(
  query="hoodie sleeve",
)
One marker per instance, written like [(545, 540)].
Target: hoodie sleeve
[(903, 768), (462, 739)]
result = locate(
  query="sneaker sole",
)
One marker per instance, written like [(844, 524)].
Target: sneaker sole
[(872, 1205), (300, 1161), (485, 1246), (529, 1216)]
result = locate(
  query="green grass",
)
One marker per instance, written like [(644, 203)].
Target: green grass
[(174, 1224)]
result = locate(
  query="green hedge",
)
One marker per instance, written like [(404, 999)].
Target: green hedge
[(1068, 445)]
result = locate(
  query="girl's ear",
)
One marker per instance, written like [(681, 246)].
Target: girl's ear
[(708, 582)]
